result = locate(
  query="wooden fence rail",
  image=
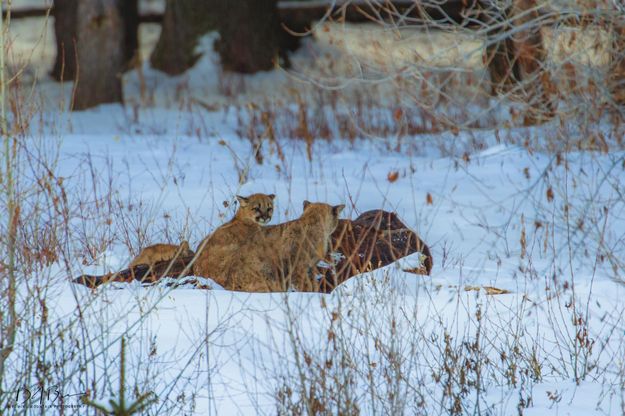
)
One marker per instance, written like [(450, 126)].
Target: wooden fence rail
[(298, 13)]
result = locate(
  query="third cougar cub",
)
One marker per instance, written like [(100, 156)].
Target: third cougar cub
[(302, 244), (161, 252)]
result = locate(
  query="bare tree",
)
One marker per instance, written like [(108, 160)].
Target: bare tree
[(516, 56), (499, 53), (183, 24), (65, 20), (618, 65), (65, 14), (100, 48), (8, 290), (129, 11), (250, 36)]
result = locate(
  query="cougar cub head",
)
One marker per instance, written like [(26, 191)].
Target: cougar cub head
[(257, 208), (328, 213)]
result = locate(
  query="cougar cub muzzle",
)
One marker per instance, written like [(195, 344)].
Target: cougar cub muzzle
[(263, 217)]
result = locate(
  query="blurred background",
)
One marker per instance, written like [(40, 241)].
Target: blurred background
[(429, 65)]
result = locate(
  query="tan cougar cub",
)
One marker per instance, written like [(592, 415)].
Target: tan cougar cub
[(257, 208), (302, 244), (281, 257), (161, 252), (226, 241)]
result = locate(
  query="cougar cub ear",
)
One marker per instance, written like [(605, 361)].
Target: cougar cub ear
[(306, 204), (272, 196), (243, 201), (336, 210)]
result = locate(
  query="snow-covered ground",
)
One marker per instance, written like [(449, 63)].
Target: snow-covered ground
[(233, 352), (495, 208)]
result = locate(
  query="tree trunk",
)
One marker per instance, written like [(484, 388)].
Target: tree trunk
[(250, 35), (617, 70), (515, 62), (184, 22), (65, 19), (129, 10), (65, 30), (100, 49), (499, 57)]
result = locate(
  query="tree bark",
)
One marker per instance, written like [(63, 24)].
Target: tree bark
[(617, 70), (250, 35), (515, 62), (65, 19), (500, 58), (100, 50), (184, 22), (65, 14)]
